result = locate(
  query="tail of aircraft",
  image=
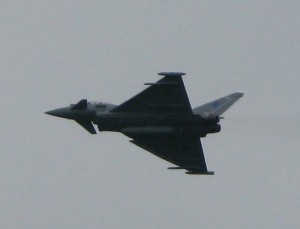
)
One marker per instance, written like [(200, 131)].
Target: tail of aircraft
[(219, 106)]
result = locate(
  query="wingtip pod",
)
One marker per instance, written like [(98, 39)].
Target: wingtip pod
[(171, 73), (200, 173), (191, 172)]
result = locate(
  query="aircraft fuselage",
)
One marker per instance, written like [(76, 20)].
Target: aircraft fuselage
[(144, 123), (159, 119)]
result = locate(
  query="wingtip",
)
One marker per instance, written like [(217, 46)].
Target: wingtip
[(200, 173), (171, 73), (238, 94)]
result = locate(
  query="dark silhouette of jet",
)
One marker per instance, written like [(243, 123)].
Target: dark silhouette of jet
[(159, 119)]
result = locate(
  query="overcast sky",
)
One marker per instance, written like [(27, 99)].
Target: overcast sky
[(54, 174)]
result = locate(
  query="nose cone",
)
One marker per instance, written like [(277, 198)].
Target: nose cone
[(60, 112)]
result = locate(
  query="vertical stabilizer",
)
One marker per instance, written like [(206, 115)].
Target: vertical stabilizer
[(219, 106)]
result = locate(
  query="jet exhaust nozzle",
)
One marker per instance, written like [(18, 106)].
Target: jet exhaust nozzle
[(211, 119)]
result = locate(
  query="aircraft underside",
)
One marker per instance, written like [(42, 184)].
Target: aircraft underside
[(159, 119)]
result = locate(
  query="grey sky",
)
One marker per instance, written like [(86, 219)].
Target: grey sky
[(53, 174)]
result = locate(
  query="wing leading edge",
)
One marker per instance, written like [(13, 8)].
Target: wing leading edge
[(168, 95)]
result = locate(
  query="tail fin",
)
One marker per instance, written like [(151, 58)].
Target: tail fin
[(219, 106)]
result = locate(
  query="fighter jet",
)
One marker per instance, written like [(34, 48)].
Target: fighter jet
[(159, 119)]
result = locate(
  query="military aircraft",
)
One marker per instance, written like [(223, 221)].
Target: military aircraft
[(159, 119)]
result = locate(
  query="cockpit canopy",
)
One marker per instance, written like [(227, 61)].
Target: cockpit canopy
[(101, 105)]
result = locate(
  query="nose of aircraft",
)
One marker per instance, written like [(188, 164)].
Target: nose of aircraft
[(60, 112), (80, 114)]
